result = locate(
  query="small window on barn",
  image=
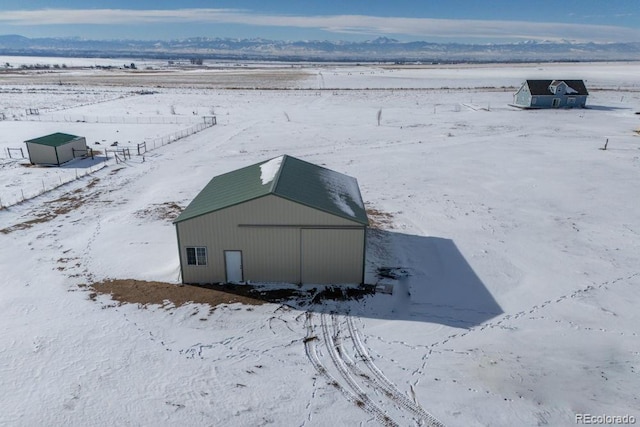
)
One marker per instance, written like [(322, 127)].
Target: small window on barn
[(197, 256), (571, 100), (534, 100)]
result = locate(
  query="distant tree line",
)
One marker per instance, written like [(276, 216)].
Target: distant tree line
[(38, 66)]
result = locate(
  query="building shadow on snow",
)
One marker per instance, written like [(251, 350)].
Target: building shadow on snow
[(409, 277), (605, 108), (83, 163), (430, 281)]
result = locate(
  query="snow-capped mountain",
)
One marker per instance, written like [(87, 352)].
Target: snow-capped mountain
[(378, 49)]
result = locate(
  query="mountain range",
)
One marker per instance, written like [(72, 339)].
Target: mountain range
[(379, 49)]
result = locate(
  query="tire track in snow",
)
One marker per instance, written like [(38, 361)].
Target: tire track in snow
[(359, 398), (383, 383), (339, 362)]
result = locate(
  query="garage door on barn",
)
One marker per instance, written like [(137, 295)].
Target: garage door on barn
[(328, 255)]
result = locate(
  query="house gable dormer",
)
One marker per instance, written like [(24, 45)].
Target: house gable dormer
[(560, 87), (557, 87)]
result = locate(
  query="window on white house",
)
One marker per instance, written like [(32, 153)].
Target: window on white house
[(197, 256)]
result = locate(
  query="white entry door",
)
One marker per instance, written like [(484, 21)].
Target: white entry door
[(233, 266)]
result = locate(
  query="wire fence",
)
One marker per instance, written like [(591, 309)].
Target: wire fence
[(119, 156), (152, 144), (133, 120), (47, 185)]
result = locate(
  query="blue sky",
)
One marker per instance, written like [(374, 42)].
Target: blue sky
[(463, 21)]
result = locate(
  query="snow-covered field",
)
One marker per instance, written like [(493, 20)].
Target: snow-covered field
[(515, 238)]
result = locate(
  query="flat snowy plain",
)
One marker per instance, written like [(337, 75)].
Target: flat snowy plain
[(515, 241)]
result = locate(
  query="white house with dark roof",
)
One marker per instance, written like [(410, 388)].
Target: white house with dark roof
[(551, 94), (281, 220)]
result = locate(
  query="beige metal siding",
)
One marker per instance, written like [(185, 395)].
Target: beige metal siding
[(44, 154), (268, 232), (271, 254), (65, 152), (41, 154), (332, 256)]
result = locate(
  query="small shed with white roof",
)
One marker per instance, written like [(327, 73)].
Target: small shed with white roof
[(281, 220)]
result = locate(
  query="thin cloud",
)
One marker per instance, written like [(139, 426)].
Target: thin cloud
[(345, 24)]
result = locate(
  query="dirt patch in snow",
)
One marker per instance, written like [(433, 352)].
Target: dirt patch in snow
[(214, 79), (145, 293), (379, 219), (160, 211), (168, 294), (60, 206)]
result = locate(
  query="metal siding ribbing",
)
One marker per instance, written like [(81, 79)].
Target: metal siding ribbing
[(42, 154), (332, 256), (54, 155), (65, 152), (192, 233), (271, 254), (267, 231)]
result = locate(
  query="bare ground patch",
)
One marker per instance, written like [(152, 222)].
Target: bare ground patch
[(379, 219), (162, 293), (213, 79), (160, 211), (146, 293), (53, 208)]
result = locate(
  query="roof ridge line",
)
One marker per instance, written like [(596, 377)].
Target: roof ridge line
[(276, 179)]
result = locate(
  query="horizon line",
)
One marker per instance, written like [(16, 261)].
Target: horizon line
[(331, 24)]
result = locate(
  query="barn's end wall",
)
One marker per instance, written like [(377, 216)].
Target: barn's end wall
[(65, 152), (42, 154), (280, 240)]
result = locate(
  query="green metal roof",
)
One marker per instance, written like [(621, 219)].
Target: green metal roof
[(287, 177), (53, 140)]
